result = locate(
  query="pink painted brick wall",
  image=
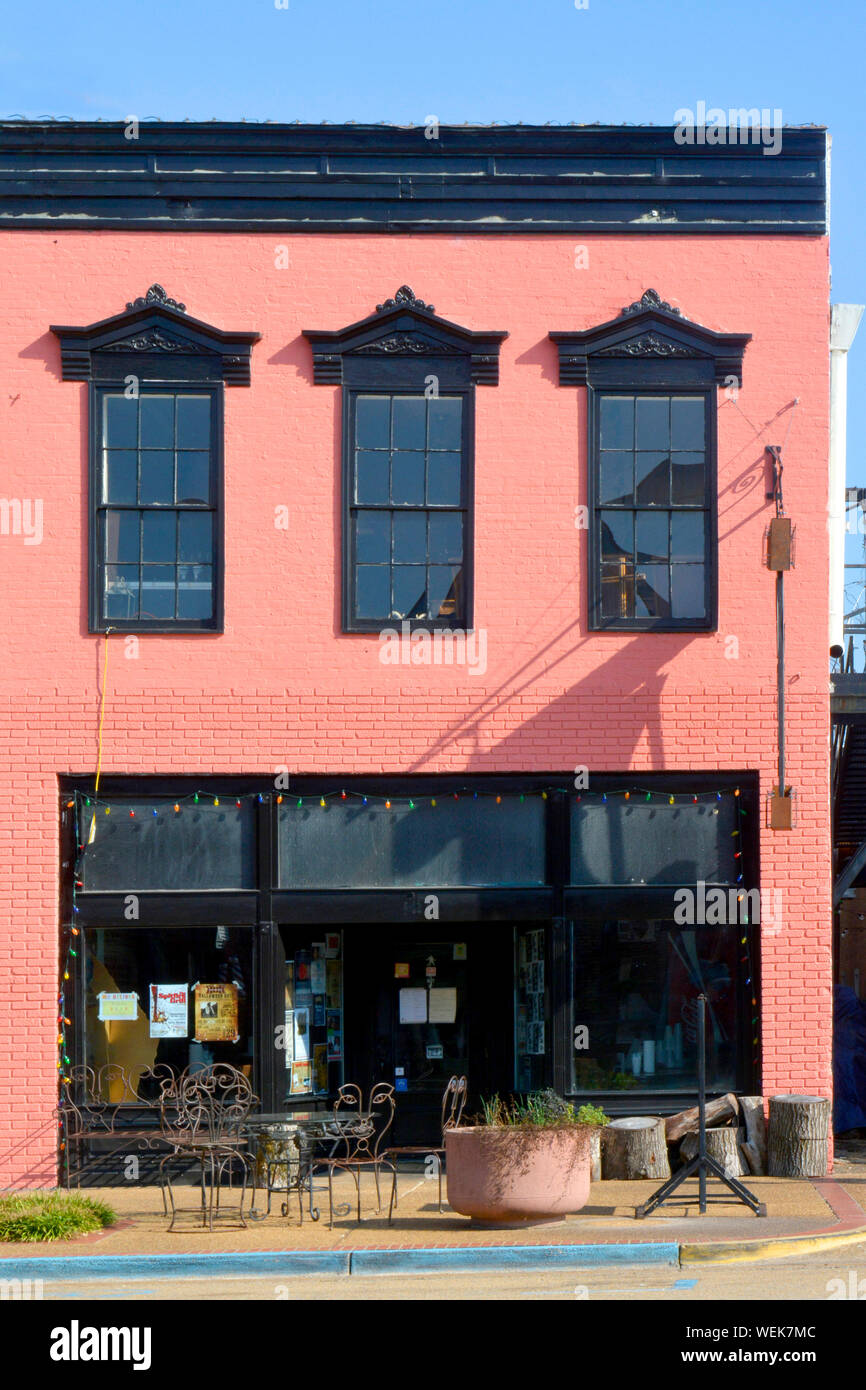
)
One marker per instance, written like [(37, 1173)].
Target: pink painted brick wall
[(282, 685)]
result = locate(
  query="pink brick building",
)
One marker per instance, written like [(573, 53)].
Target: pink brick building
[(423, 657)]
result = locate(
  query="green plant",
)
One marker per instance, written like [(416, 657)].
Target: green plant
[(34, 1216), (544, 1109)]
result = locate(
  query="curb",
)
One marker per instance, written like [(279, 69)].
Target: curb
[(279, 1263), (731, 1252)]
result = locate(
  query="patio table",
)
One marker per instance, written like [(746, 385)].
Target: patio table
[(307, 1129)]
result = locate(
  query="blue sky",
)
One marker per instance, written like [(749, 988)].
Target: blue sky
[(464, 60)]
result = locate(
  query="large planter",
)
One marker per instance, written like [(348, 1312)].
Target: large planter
[(518, 1175)]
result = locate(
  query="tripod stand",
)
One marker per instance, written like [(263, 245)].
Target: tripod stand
[(702, 1163)]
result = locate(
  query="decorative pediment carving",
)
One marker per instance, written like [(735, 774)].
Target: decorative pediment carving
[(156, 324), (404, 326), (651, 328)]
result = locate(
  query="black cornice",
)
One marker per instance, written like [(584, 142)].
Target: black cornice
[(348, 178)]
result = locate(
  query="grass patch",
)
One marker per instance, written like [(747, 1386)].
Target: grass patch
[(51, 1216)]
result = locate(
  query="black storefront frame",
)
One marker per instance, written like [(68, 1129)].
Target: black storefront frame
[(267, 907)]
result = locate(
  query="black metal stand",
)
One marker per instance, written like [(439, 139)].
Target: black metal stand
[(701, 1164)]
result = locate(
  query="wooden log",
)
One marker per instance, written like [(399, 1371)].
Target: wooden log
[(755, 1144), (798, 1136), (635, 1148), (722, 1145), (595, 1156), (687, 1120)]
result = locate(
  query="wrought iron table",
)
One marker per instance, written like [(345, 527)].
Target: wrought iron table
[(306, 1129)]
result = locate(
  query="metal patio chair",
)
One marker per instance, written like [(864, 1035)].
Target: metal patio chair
[(204, 1121), (453, 1101), (363, 1142)]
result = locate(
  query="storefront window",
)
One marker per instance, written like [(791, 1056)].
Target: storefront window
[(183, 997), (148, 845), (531, 1009), (313, 1023), (465, 842), (636, 985)]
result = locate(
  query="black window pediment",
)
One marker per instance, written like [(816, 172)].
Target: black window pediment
[(156, 327), (405, 329)]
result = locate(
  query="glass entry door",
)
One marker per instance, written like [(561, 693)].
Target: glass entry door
[(429, 1013)]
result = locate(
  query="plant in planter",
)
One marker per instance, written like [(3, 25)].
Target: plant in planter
[(523, 1161)]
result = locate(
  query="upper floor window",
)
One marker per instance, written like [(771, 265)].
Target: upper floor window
[(652, 378), (156, 462), (409, 387)]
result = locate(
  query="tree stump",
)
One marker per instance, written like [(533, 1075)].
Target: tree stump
[(754, 1148), (635, 1148), (798, 1135), (722, 1145)]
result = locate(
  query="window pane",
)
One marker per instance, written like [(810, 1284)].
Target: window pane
[(687, 536), (373, 537), (121, 537), (444, 590), (195, 536), (157, 591), (193, 477), (652, 598), (687, 479), (193, 422), (444, 420), (652, 473), (443, 480), (121, 422), (157, 422), (410, 536), (617, 477), (616, 589), (617, 422), (652, 535), (373, 422), (373, 591), (199, 846), (121, 475), (687, 422), (195, 591), (156, 483), (410, 592), (371, 476), (410, 422), (687, 596), (652, 423), (617, 534), (407, 479), (121, 591), (446, 538), (158, 535)]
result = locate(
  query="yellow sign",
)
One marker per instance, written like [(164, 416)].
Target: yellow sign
[(216, 1013), (117, 1006)]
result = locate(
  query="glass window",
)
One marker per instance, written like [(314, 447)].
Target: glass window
[(407, 510), (144, 960), (653, 842), (156, 532), (137, 844), (652, 510), (636, 985)]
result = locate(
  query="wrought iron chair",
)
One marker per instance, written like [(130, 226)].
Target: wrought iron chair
[(362, 1142), (204, 1120), (453, 1101), (114, 1107)]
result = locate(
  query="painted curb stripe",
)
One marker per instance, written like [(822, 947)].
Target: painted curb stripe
[(79, 1267), (510, 1257), (277, 1263), (768, 1249)]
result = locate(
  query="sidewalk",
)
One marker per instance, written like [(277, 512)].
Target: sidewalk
[(802, 1215)]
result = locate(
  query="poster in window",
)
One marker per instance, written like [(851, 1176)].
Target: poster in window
[(317, 968), (289, 1038), (320, 1067), (114, 1007), (167, 1015), (333, 983), (301, 1078), (301, 1041), (334, 1020), (216, 1012)]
